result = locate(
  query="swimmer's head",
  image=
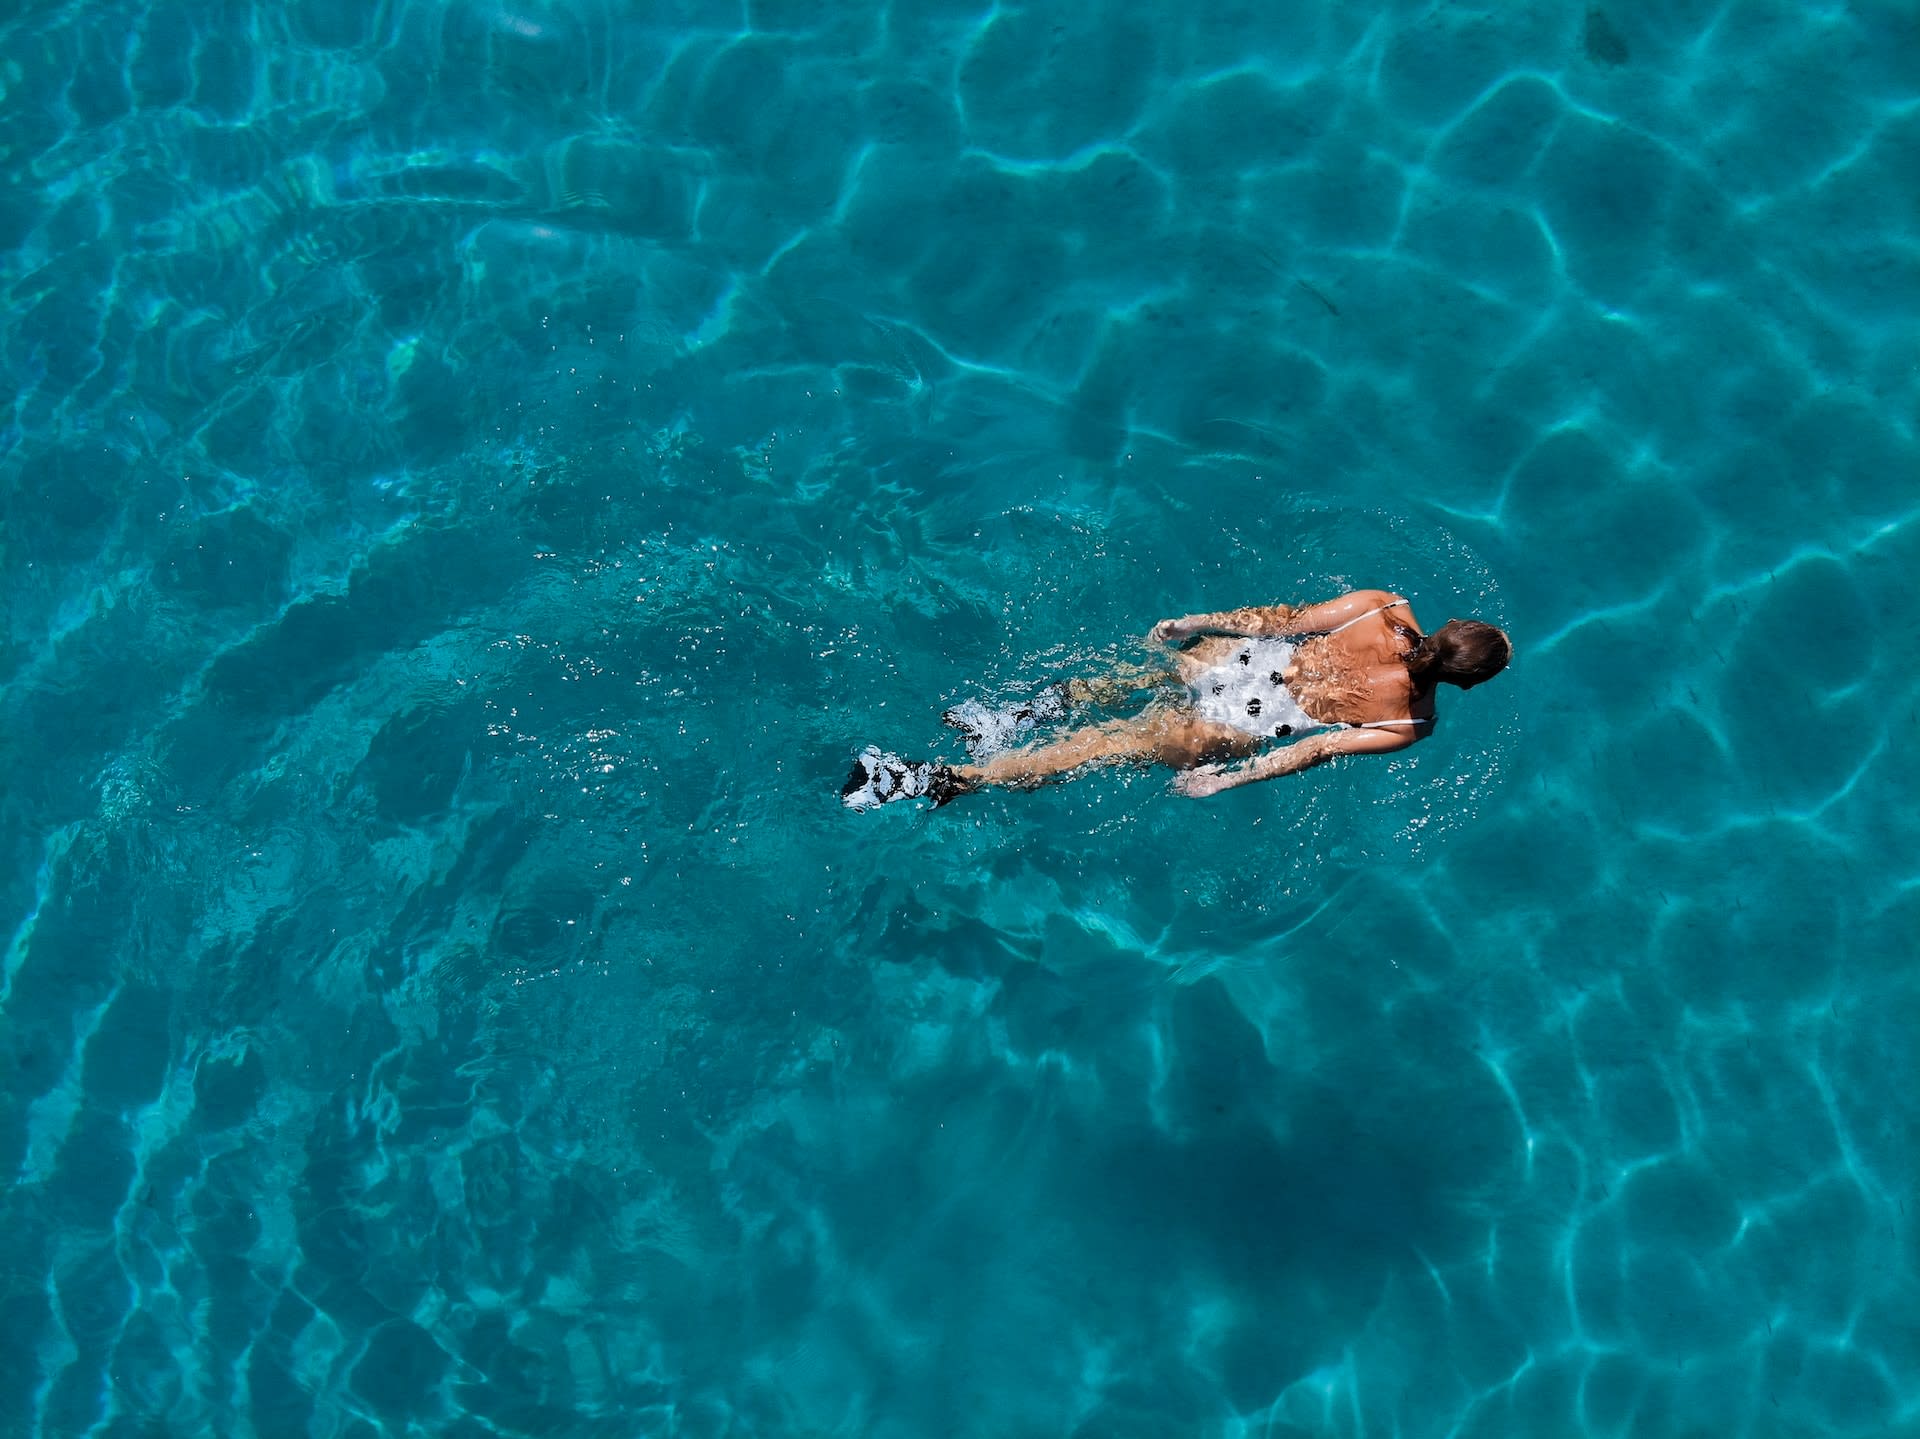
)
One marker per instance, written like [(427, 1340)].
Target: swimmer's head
[(1461, 652)]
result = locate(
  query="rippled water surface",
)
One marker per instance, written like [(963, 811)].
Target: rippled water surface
[(472, 475)]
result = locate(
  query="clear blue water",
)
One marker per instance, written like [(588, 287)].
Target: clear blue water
[(473, 474)]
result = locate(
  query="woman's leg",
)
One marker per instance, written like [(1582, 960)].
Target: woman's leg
[(1177, 738), (1124, 682), (1196, 660), (1118, 686), (991, 729)]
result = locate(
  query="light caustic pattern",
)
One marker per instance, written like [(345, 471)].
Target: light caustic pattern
[(475, 473)]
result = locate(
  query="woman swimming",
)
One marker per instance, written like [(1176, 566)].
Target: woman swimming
[(1350, 676)]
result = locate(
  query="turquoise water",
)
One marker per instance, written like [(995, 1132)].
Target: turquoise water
[(474, 474)]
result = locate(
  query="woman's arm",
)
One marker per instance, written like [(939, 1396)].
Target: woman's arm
[(1260, 621), (1208, 779), (1329, 614), (1253, 622)]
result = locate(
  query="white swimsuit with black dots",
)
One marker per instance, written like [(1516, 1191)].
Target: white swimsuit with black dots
[(1246, 692)]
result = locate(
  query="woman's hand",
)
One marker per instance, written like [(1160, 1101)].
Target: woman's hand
[(1205, 779), (1171, 632)]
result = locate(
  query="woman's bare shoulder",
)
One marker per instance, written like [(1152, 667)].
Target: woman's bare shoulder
[(1350, 606)]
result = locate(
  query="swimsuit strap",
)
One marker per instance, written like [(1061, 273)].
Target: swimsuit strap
[(1367, 616)]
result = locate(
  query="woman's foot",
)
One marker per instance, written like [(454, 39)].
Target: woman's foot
[(989, 729), (878, 779)]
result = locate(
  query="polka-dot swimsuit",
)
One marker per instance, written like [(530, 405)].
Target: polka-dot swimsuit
[(1246, 691)]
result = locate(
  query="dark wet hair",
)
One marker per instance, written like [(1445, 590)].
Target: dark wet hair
[(1462, 652)]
